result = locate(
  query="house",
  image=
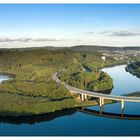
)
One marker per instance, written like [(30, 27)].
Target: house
[(103, 58)]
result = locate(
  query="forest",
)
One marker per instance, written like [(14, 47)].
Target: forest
[(134, 68), (32, 90)]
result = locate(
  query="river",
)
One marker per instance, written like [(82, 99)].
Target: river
[(75, 123), (4, 78), (124, 82)]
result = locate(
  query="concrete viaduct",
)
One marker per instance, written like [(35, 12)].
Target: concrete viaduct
[(84, 94)]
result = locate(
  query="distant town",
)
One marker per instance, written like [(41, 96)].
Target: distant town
[(120, 55)]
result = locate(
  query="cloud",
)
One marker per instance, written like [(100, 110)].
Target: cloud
[(14, 39), (27, 39), (45, 39), (89, 33), (120, 33)]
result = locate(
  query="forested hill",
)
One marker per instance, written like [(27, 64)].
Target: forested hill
[(78, 48), (92, 48)]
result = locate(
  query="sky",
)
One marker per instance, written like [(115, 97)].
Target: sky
[(37, 25)]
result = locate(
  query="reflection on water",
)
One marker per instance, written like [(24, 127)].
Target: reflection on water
[(51, 116), (102, 113), (36, 118)]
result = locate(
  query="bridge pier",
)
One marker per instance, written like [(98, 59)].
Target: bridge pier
[(101, 101), (101, 104), (82, 97), (122, 105), (86, 97)]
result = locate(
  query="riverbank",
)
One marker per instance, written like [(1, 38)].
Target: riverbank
[(38, 105), (134, 68)]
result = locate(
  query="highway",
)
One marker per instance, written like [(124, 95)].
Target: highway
[(95, 94)]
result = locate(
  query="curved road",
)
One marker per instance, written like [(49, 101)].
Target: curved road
[(95, 94)]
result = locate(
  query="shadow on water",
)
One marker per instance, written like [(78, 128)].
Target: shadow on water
[(51, 116), (101, 113), (36, 118)]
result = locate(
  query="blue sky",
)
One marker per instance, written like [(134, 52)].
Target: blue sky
[(72, 24)]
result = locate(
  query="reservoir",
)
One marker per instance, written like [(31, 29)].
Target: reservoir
[(75, 123)]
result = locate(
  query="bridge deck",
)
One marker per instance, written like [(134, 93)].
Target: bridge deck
[(95, 94)]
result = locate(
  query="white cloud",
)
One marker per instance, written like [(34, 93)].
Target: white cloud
[(120, 33), (26, 39)]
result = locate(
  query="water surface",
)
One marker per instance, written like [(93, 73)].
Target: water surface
[(4, 78), (123, 81)]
